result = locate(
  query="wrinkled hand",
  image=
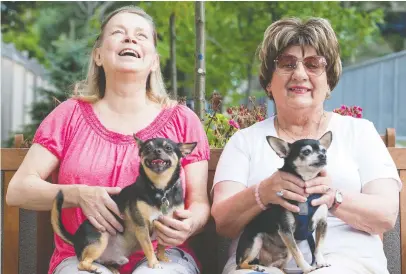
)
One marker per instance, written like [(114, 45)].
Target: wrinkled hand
[(322, 185), (292, 187), (96, 204), (174, 231)]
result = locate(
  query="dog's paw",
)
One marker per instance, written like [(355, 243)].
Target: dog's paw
[(258, 268), (114, 270), (309, 269), (122, 261), (322, 264), (156, 265), (93, 269), (164, 258)]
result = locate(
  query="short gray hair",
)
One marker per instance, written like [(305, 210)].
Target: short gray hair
[(315, 32)]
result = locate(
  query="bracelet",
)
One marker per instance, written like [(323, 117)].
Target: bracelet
[(261, 205)]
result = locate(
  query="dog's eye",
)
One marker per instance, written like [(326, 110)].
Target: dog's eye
[(168, 148), (148, 148), (306, 152), (323, 151)]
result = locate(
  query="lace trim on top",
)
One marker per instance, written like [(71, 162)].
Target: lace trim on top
[(117, 138)]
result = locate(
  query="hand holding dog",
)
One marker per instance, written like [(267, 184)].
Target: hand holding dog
[(322, 185), (174, 231), (292, 187), (96, 204)]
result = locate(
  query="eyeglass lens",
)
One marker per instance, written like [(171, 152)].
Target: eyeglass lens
[(313, 64)]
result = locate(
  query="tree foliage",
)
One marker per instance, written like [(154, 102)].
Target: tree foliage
[(60, 35)]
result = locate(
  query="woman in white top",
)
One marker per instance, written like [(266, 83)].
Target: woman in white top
[(300, 66)]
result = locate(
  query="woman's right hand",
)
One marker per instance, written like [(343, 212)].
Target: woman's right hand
[(96, 204), (291, 186)]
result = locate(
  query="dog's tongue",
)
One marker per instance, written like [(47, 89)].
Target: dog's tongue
[(157, 161)]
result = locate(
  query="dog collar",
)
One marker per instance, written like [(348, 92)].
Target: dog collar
[(164, 205), (164, 201)]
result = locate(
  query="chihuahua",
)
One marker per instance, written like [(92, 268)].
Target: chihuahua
[(270, 238), (156, 191)]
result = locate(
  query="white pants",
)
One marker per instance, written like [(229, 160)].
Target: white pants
[(339, 265)]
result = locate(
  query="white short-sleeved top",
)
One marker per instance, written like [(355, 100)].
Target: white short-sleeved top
[(356, 156)]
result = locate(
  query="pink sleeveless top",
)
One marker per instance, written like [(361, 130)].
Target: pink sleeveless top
[(91, 154)]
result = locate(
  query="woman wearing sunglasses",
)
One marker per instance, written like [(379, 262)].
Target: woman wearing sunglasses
[(299, 68)]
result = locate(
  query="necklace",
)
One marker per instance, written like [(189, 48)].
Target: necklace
[(294, 139)]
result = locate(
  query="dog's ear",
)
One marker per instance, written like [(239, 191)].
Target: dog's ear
[(281, 147), (138, 141), (326, 139), (186, 148)]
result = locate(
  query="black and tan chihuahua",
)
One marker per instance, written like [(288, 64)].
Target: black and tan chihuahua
[(270, 238), (157, 191)]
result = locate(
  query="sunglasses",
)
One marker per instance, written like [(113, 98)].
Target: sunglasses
[(314, 65)]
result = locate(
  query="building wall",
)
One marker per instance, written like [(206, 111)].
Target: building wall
[(20, 77)]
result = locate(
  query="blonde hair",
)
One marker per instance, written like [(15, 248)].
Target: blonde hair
[(93, 87), (315, 32)]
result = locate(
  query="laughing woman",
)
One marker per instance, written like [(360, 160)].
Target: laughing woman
[(300, 66), (86, 144)]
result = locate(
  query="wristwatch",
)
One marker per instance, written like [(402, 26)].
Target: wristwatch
[(338, 199)]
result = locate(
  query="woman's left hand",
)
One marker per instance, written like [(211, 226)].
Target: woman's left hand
[(174, 231), (321, 185)]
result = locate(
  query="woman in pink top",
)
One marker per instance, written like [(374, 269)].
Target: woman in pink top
[(86, 144)]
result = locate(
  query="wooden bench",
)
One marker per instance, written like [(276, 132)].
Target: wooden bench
[(210, 248)]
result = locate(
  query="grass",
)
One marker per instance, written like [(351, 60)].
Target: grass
[(402, 143)]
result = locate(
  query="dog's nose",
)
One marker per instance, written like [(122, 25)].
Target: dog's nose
[(158, 150), (322, 156)]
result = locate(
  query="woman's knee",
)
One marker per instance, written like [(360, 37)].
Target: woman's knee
[(231, 268), (337, 270), (70, 266), (249, 271), (330, 270), (180, 263), (343, 264), (167, 268)]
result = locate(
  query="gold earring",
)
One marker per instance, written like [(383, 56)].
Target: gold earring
[(328, 94)]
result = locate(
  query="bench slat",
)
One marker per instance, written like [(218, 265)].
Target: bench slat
[(12, 158), (214, 157), (45, 241), (11, 226), (399, 157), (390, 137)]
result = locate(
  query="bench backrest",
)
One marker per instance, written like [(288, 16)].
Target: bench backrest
[(209, 247), (11, 158)]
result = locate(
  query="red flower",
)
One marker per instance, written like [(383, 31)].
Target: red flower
[(259, 118), (354, 111), (234, 124)]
